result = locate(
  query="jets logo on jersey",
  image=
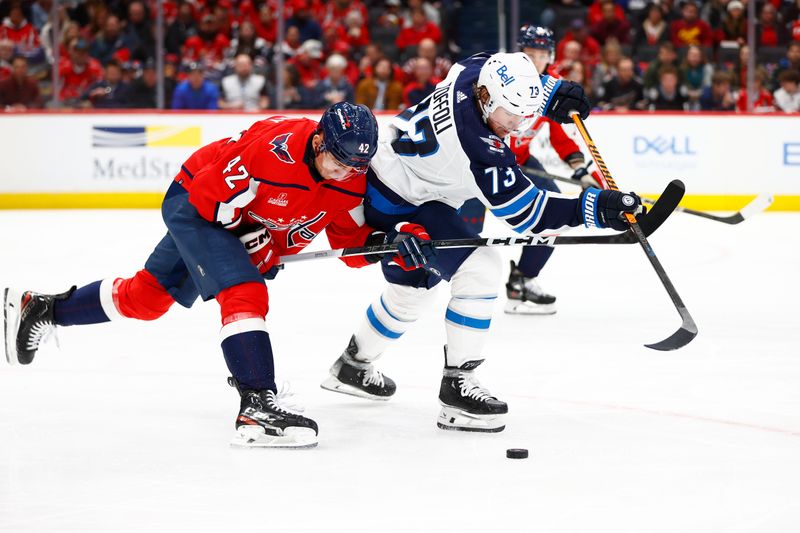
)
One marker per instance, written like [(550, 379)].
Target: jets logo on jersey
[(495, 143), (280, 149)]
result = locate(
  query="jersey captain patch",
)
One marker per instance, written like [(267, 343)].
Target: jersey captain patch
[(280, 149)]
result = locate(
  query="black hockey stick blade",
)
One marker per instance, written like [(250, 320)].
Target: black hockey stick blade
[(680, 338), (663, 207)]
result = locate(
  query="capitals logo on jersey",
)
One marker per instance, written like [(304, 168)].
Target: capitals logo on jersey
[(280, 149)]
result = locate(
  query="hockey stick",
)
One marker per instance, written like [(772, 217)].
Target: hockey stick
[(688, 329), (662, 209), (758, 204)]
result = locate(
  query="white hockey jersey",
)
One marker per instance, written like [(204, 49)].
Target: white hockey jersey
[(441, 150)]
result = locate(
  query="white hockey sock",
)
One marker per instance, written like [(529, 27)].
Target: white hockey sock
[(387, 318), (469, 313)]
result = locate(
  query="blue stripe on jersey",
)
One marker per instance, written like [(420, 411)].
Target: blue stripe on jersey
[(522, 201), (380, 328), (525, 226), (384, 205), (463, 320)]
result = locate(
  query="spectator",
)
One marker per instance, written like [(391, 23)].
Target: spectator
[(427, 49), (607, 69), (590, 48), (739, 69), (689, 29), (355, 28), (248, 42), (139, 32), (334, 12), (624, 92), (78, 70), (790, 62), (143, 89), (734, 25), (207, 47), (6, 57), (570, 56), (718, 97), (431, 13), (596, 12), (769, 32), (303, 21), (19, 91), (611, 27), (666, 58), (764, 101), (787, 98), (308, 63), (653, 30), (696, 75), (390, 15), (243, 89), (181, 29), (195, 92), (380, 92), (422, 86), (335, 87), (111, 92), (577, 73), (420, 28), (713, 12), (295, 96), (291, 42), (666, 95), (110, 43), (18, 30), (40, 13)]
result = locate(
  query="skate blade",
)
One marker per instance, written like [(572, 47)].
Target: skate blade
[(452, 419), (518, 307), (11, 317), (334, 385), (256, 437)]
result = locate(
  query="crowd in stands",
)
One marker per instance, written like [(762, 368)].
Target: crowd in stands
[(387, 54)]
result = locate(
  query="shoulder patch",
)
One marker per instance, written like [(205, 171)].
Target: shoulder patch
[(280, 149), (494, 143)]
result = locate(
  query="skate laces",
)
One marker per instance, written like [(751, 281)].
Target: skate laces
[(471, 387), (373, 376), (533, 286), (282, 400)]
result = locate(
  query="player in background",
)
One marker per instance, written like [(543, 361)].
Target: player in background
[(430, 160), (525, 295), (235, 207)]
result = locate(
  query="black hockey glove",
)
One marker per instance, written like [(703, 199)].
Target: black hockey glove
[(414, 249), (569, 96), (604, 209), (586, 178)]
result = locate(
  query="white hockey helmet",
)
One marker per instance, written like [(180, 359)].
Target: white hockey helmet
[(513, 85)]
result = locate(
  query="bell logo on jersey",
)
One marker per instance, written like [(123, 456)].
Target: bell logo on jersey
[(280, 149), (504, 77)]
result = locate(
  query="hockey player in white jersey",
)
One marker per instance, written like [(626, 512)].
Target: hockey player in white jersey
[(432, 158)]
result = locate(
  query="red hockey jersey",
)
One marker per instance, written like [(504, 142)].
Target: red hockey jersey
[(265, 177), (563, 144)]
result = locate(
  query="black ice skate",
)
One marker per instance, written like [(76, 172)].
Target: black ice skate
[(28, 318), (358, 378), (263, 422), (526, 297), (466, 406)]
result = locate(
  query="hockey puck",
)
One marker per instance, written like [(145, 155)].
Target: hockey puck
[(517, 453)]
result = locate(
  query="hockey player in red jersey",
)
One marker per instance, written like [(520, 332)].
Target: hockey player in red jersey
[(235, 207), (525, 295)]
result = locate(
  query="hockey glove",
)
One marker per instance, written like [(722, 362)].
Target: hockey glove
[(587, 179), (414, 248), (604, 209), (569, 96), (263, 253)]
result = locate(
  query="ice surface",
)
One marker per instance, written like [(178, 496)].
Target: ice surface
[(126, 427)]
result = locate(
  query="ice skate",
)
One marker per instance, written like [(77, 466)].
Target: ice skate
[(265, 422), (466, 405), (28, 319), (358, 378), (526, 297)]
